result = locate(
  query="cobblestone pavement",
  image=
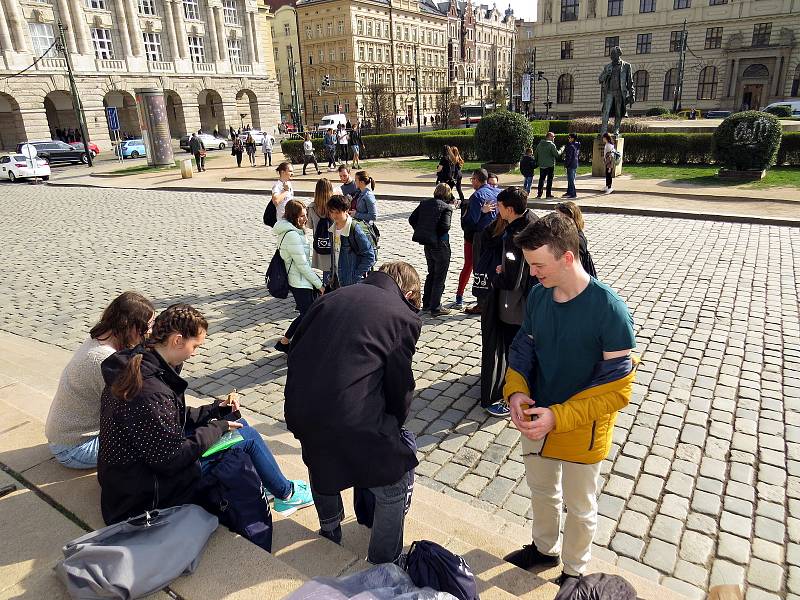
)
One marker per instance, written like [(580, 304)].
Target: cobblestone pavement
[(703, 484)]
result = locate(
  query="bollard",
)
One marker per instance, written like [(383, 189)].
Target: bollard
[(187, 171)]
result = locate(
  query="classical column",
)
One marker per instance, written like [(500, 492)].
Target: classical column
[(5, 34), (82, 36), (180, 29), (170, 26), (251, 52), (211, 31), (222, 40), (254, 36), (134, 30), (17, 22), (122, 26)]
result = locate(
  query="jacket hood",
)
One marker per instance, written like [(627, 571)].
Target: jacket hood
[(284, 226), (152, 366)]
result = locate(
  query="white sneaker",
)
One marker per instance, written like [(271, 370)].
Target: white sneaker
[(609, 190)]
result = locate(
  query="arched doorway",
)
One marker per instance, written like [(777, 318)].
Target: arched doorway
[(175, 116), (12, 129), (212, 114), (60, 114), (125, 104), (755, 79), (247, 109)]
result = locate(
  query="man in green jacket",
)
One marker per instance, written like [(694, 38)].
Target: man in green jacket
[(546, 155)]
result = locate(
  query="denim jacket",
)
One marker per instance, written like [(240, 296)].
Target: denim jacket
[(353, 260)]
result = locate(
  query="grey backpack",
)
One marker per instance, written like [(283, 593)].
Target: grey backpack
[(136, 557)]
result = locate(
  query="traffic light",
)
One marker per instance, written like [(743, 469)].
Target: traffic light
[(326, 81)]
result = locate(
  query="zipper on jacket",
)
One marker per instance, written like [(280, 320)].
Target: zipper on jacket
[(594, 428), (155, 491)]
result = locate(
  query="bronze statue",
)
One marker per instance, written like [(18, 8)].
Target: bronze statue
[(617, 84)]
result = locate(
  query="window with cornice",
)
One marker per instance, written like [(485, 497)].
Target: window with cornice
[(229, 13), (191, 10)]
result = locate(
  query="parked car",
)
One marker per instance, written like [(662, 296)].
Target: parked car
[(93, 148), (717, 114), (131, 149), (258, 136), (56, 151), (17, 166), (793, 104), (211, 142)]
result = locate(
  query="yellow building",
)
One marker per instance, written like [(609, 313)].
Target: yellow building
[(738, 54), (286, 54)]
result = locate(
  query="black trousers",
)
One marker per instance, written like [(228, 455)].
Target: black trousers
[(546, 173), (303, 298), (307, 158), (341, 151), (200, 160), (438, 258), (609, 177)]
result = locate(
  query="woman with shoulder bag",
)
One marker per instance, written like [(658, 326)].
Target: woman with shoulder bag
[(458, 165), (250, 148), (320, 223), (151, 444), (444, 170), (304, 284), (237, 150)]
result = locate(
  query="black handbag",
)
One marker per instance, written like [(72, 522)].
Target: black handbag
[(270, 214)]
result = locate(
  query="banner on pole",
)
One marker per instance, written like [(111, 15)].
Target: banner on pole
[(526, 87), (113, 118)]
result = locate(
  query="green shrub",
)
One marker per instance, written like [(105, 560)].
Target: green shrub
[(502, 137), (668, 148), (461, 131), (464, 143), (656, 111), (747, 141), (592, 125), (782, 111), (375, 146), (789, 153), (540, 128), (293, 150), (559, 126)]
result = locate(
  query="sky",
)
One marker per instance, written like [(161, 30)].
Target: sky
[(523, 9)]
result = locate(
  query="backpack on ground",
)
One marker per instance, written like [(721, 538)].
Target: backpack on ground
[(596, 586), (277, 275), (270, 214), (322, 237), (232, 490), (431, 565)]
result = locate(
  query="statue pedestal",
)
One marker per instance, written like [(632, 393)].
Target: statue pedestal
[(598, 165)]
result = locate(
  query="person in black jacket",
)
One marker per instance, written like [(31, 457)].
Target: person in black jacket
[(446, 167), (431, 222), (348, 392), (505, 305), (151, 444), (527, 167)]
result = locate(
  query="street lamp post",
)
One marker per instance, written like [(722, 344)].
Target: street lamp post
[(416, 85)]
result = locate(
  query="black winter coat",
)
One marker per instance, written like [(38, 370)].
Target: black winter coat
[(349, 385), (146, 460), (527, 166), (431, 221)]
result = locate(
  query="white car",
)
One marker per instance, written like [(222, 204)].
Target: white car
[(258, 136), (211, 142), (17, 166)]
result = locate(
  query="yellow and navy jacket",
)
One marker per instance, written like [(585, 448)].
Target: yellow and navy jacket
[(584, 422)]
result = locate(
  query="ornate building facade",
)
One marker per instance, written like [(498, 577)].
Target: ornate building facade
[(286, 48), (209, 57), (737, 54)]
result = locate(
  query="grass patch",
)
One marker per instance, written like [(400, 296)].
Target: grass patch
[(702, 175), (427, 165)]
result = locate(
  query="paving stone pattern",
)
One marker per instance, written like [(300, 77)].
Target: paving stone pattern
[(703, 482)]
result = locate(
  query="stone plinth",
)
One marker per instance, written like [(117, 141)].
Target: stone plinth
[(598, 166)]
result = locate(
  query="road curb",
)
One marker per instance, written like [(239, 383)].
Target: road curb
[(588, 208)]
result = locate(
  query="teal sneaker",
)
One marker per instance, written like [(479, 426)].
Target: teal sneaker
[(299, 499)]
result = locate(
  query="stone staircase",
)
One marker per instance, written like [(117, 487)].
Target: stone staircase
[(54, 504)]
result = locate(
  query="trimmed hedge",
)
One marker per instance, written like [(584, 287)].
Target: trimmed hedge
[(782, 111), (561, 126), (656, 111), (789, 152), (464, 143), (502, 137), (540, 128), (748, 141)]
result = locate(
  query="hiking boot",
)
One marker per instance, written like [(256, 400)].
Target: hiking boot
[(440, 312), (529, 557), (335, 536), (498, 409), (300, 498), (564, 578)]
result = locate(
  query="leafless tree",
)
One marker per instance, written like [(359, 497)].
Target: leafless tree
[(379, 108), (448, 108)]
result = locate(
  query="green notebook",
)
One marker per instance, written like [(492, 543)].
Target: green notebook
[(226, 441)]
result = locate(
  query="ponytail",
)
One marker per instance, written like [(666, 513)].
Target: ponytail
[(364, 177), (129, 384), (372, 184)]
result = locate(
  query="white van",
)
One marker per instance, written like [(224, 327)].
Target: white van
[(332, 122), (794, 104)]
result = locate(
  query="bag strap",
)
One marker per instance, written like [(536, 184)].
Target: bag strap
[(289, 268)]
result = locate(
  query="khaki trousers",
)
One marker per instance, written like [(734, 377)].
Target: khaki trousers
[(552, 481)]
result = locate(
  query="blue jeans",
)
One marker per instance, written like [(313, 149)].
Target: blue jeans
[(527, 183), (386, 540), (83, 456), (571, 191), (271, 475)]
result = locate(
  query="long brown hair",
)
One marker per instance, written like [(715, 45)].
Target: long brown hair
[(457, 156), (322, 194), (364, 177), (127, 317), (178, 318), (573, 211)]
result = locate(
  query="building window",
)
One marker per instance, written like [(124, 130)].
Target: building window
[(42, 37), (147, 7), (641, 84), (761, 33), (717, 2), (361, 53), (678, 4), (191, 10), (196, 50), (342, 54), (796, 82), (707, 84), (644, 41), (96, 4), (319, 30), (101, 40), (713, 38), (229, 12), (369, 28), (569, 10), (360, 27), (614, 8), (152, 47), (332, 54), (370, 54), (330, 29), (235, 50), (286, 30), (670, 81), (341, 27), (566, 50), (647, 6), (564, 89), (611, 42), (675, 41), (321, 56)]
